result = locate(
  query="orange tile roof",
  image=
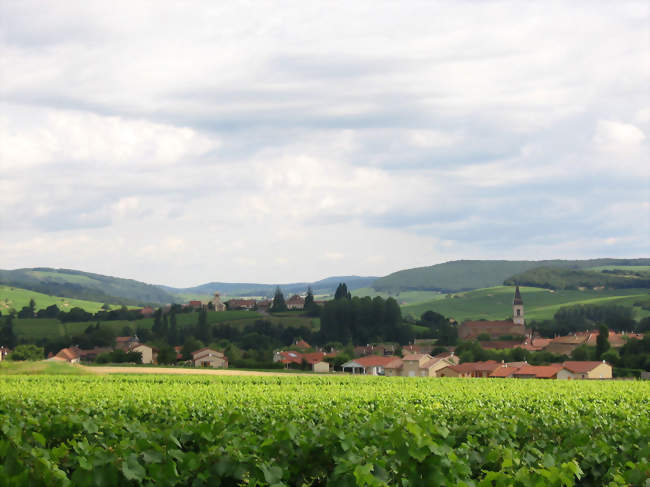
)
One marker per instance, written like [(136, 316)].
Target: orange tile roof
[(503, 371), (415, 356), (374, 360), (581, 367), (539, 371)]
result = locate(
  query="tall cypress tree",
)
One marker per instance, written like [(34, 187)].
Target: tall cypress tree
[(278, 301), (342, 292)]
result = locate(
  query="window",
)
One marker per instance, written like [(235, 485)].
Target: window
[(518, 312)]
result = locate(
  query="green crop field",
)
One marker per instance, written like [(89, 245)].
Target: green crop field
[(16, 298), (495, 303), (314, 431)]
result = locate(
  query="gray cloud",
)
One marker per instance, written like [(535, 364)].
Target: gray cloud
[(216, 143)]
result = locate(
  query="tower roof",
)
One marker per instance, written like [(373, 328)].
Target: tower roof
[(517, 299)]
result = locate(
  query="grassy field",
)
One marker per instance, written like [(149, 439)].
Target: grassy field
[(33, 328), (16, 298), (496, 302), (403, 297), (7, 367)]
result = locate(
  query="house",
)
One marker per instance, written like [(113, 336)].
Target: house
[(147, 312), (71, 355), (207, 357), (375, 349), (243, 304), (369, 365), (126, 343), (424, 365), (89, 355), (295, 302), (469, 369), (515, 327), (302, 345), (216, 302), (538, 371), (586, 370), (149, 354), (195, 304), (264, 305)]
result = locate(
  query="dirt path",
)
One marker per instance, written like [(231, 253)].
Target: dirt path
[(173, 370)]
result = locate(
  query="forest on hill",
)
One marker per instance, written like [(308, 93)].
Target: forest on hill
[(559, 278), (465, 275), (85, 285)]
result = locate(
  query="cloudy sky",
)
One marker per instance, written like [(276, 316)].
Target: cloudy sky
[(180, 143)]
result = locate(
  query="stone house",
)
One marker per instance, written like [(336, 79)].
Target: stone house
[(207, 357)]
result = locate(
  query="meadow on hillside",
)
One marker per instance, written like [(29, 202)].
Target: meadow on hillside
[(495, 303), (16, 298)]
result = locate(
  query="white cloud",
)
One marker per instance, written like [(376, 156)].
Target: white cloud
[(618, 137)]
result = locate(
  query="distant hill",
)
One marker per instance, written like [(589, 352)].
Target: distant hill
[(85, 285), (324, 286), (559, 278), (464, 275)]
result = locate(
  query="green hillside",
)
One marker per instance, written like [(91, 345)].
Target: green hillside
[(15, 298), (558, 278), (464, 275), (495, 303), (402, 297), (86, 286)]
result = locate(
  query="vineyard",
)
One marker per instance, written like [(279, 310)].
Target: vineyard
[(343, 431)]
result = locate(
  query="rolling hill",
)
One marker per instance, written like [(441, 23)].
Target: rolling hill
[(85, 285), (464, 275), (559, 278), (495, 303), (15, 298), (324, 286)]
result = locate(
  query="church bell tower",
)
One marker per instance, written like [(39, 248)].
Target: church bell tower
[(518, 308)]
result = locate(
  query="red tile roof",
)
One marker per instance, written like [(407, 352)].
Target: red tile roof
[(414, 356), (581, 367), (375, 360), (503, 371), (539, 371), (469, 367), (302, 344)]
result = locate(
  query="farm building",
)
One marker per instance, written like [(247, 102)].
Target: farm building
[(420, 365), (71, 355), (207, 357), (149, 354)]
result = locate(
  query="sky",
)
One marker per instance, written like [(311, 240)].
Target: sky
[(181, 143)]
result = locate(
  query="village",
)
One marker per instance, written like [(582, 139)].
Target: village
[(420, 358)]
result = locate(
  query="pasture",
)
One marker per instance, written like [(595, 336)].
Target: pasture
[(495, 303), (16, 298)]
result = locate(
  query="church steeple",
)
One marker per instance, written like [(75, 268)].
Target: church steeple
[(518, 308)]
